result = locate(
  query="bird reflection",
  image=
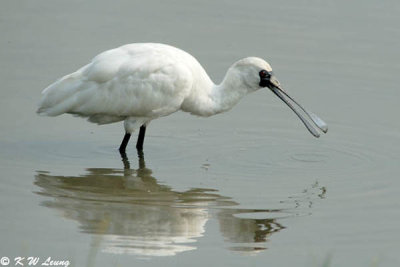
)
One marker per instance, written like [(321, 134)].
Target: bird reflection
[(130, 212)]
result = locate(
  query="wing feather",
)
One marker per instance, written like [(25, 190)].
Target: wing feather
[(130, 81)]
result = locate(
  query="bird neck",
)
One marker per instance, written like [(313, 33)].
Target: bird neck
[(227, 94), (210, 99)]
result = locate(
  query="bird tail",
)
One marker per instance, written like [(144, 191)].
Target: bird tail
[(60, 97)]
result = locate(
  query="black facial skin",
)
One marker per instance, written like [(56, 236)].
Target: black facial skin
[(265, 77)]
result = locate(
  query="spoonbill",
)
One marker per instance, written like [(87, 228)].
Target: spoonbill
[(137, 83)]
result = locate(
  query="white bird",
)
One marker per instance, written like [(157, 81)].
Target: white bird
[(137, 83)]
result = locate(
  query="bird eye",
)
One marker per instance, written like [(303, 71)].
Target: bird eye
[(263, 74)]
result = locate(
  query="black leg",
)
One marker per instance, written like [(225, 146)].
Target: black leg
[(142, 164), (125, 141), (125, 161), (142, 132)]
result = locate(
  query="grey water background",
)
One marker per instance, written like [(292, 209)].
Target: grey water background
[(249, 187)]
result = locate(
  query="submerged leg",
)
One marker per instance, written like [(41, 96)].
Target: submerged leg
[(125, 141), (142, 132), (125, 161)]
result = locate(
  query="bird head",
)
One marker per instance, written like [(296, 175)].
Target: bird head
[(255, 73)]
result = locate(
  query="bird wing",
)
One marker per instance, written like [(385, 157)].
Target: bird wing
[(129, 81)]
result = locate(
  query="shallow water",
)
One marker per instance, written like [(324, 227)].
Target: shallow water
[(249, 187)]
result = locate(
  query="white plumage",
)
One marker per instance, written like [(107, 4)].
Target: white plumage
[(137, 83)]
